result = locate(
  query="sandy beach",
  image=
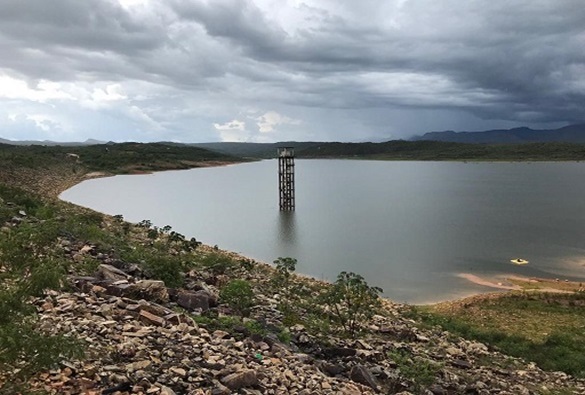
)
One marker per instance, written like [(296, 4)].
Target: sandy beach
[(519, 283)]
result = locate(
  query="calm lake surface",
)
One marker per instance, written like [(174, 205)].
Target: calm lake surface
[(407, 227)]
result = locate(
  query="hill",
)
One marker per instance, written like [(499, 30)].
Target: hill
[(567, 134), (49, 169), (410, 150)]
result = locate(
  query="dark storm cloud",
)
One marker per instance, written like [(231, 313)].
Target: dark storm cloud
[(527, 55), (68, 40), (520, 61)]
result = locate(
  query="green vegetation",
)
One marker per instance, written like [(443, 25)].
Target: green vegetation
[(352, 302), (239, 296), (546, 328), (217, 262), (412, 150), (421, 372), (285, 267), (113, 158), (436, 150), (28, 266)]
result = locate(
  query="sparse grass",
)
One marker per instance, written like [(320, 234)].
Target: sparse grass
[(546, 328), (420, 371), (217, 262)]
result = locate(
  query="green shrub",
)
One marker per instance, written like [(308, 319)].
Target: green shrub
[(217, 263), (420, 371), (282, 280), (284, 336), (248, 264), (29, 265), (351, 301), (166, 268), (284, 269), (239, 296)]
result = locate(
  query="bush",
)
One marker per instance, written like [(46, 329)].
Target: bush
[(166, 268), (352, 302), (284, 269), (217, 263), (239, 296), (29, 265), (420, 371)]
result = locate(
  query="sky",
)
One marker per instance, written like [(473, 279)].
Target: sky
[(282, 70)]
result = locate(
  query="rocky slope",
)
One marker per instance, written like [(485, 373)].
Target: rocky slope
[(143, 338)]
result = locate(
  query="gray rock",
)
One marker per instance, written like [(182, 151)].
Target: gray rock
[(166, 391), (194, 300), (331, 369), (109, 272), (360, 374), (340, 352), (220, 389)]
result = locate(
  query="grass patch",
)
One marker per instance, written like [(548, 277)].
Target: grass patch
[(546, 328), (420, 371)]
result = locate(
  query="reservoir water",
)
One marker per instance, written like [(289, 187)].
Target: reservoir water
[(410, 228)]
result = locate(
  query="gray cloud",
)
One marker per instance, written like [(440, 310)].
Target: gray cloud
[(185, 66)]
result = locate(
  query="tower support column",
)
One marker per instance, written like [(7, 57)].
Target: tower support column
[(286, 178)]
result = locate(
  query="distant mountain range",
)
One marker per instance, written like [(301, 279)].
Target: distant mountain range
[(52, 143), (391, 150), (567, 134)]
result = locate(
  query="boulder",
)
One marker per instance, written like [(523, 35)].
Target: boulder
[(235, 381), (151, 319), (360, 374), (152, 290), (110, 273), (334, 352), (194, 300)]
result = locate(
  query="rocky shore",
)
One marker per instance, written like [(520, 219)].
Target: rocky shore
[(143, 338)]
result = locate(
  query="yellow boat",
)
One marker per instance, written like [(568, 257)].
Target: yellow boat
[(519, 261)]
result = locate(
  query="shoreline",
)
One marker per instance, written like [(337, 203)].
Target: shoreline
[(503, 283), (524, 283)]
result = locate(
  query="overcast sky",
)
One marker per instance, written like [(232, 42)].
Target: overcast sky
[(275, 70)]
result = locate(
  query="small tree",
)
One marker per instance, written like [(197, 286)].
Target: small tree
[(284, 269), (239, 296), (145, 223), (352, 301), (282, 280)]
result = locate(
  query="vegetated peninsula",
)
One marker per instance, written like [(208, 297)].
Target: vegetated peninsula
[(93, 304)]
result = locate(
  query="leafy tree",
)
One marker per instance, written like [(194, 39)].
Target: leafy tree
[(153, 233), (352, 301), (284, 269), (145, 223)]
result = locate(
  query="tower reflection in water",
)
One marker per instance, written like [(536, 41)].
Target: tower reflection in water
[(287, 228)]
